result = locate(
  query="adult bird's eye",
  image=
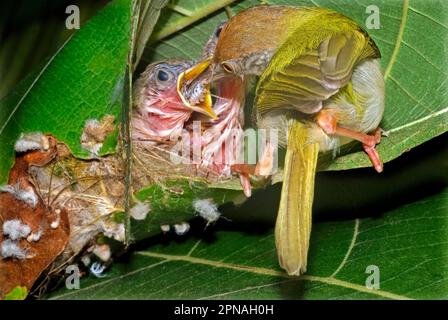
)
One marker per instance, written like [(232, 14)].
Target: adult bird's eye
[(163, 75), (227, 67), (218, 32)]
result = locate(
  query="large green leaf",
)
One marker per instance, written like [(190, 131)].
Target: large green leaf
[(173, 203), (409, 246), (413, 58), (403, 48), (82, 80)]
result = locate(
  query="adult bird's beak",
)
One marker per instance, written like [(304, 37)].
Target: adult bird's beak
[(188, 76)]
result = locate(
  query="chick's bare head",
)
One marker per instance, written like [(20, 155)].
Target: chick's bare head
[(157, 84), (158, 110)]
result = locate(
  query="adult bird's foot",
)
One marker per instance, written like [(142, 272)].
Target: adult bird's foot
[(369, 143), (328, 123), (369, 147)]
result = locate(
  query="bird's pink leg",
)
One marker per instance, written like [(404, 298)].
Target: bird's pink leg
[(329, 124), (263, 168), (245, 184), (244, 170), (266, 162)]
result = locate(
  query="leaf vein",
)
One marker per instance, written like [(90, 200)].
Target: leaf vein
[(350, 248), (274, 273), (393, 58)]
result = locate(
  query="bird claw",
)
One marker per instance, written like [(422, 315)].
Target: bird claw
[(384, 133), (243, 171), (369, 145), (374, 157), (328, 123)]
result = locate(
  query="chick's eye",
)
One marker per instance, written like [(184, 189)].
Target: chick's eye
[(163, 75), (227, 67)]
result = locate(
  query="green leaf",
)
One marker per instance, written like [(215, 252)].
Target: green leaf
[(407, 123), (413, 60), (18, 293), (178, 16), (408, 245), (81, 81), (148, 16), (172, 202), (91, 76)]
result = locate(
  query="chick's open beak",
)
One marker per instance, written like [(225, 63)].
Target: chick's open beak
[(186, 77)]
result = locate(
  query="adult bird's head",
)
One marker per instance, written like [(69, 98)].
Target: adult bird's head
[(193, 85), (243, 47)]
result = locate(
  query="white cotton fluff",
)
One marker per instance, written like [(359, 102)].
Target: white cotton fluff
[(86, 260), (103, 252), (207, 209), (26, 195), (181, 228), (15, 229), (24, 146), (88, 141), (55, 224), (31, 141), (140, 210), (165, 228), (34, 237), (11, 249)]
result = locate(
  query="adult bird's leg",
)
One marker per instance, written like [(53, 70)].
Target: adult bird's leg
[(329, 124)]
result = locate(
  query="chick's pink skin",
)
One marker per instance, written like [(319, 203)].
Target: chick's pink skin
[(162, 116), (159, 112)]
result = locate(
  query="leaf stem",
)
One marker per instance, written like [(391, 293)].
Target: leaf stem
[(228, 12), (181, 10)]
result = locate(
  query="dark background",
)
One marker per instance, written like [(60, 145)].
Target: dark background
[(30, 31)]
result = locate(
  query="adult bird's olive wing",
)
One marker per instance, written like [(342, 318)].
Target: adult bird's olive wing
[(310, 67)]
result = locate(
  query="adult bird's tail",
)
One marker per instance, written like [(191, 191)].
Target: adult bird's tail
[(293, 226)]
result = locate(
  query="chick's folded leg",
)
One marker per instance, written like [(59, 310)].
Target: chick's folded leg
[(262, 168), (244, 171), (329, 124), (245, 183)]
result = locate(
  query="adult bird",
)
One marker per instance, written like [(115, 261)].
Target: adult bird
[(320, 78)]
